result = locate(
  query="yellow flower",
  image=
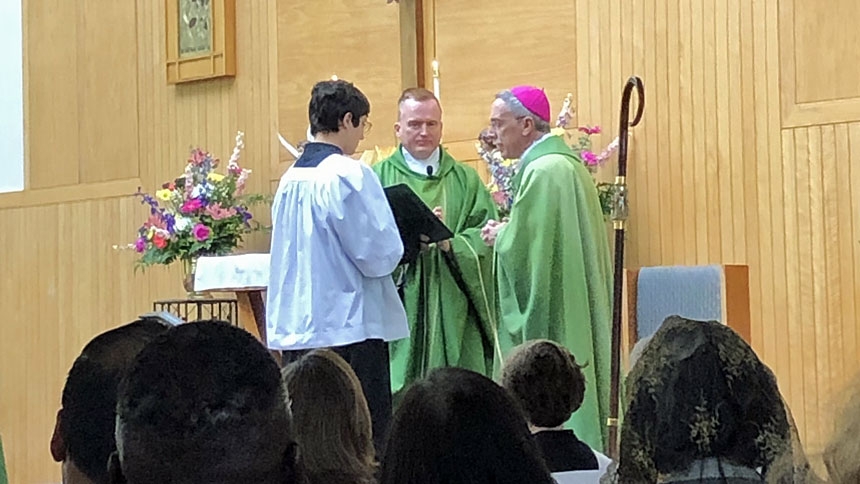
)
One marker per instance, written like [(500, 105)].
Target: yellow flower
[(163, 194), (150, 233), (558, 132), (215, 177)]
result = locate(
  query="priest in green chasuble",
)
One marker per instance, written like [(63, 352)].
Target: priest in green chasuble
[(553, 265), (448, 292)]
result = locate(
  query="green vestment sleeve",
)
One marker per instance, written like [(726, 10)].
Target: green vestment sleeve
[(554, 273), (449, 298), (3, 477)]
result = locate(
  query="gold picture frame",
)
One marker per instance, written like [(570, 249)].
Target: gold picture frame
[(201, 39)]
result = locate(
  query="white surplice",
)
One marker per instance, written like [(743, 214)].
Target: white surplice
[(334, 247)]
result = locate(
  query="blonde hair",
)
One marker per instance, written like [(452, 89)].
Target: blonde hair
[(331, 420)]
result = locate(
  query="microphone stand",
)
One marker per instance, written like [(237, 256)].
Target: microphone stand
[(620, 211)]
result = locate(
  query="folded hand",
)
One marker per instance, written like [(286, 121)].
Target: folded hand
[(491, 231)]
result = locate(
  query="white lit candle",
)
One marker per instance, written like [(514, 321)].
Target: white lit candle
[(435, 65)]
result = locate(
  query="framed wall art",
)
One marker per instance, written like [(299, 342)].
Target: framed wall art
[(201, 39)]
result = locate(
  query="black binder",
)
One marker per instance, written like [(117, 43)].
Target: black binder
[(414, 219)]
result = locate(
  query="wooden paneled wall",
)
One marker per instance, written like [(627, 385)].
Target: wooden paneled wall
[(734, 164), (100, 107)]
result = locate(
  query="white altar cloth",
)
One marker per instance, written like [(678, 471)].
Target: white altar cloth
[(232, 272)]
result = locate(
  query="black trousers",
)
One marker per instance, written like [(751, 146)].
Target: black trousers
[(369, 360)]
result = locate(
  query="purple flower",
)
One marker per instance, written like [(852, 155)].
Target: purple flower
[(201, 232), (149, 200), (140, 245), (170, 222), (590, 158)]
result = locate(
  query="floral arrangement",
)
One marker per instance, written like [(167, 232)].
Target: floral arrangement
[(502, 171), (200, 213)]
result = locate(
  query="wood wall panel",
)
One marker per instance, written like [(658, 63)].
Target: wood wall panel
[(718, 175), (107, 73), (52, 101), (81, 69), (818, 62), (477, 58), (357, 40), (832, 30)]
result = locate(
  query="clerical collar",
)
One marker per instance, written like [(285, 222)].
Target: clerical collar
[(535, 143), (314, 153), (420, 166)]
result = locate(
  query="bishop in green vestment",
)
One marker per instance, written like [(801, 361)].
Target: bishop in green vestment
[(553, 265), (448, 292)]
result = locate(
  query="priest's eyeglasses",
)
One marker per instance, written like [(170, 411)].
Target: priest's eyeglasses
[(367, 126)]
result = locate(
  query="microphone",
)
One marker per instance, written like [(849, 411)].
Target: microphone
[(429, 171)]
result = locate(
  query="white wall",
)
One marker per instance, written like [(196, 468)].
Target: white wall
[(11, 97)]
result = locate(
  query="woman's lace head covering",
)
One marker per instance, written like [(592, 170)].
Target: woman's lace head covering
[(698, 392)]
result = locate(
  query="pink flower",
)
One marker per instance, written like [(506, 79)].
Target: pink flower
[(499, 197), (234, 169), (197, 157), (156, 221), (218, 213), (140, 245), (191, 205), (590, 158), (590, 130), (201, 232)]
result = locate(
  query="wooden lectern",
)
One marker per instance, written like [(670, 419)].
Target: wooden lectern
[(247, 275)]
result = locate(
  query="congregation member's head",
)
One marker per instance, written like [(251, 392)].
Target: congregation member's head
[(518, 118), (203, 403), (701, 406), (83, 436), (331, 420), (338, 114), (419, 122), (545, 379), (457, 426)]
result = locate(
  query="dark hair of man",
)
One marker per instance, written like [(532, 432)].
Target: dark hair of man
[(544, 378), (331, 420), (419, 94), (331, 101), (204, 403), (457, 426), (90, 394)]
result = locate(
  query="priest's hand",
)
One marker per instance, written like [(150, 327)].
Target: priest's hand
[(444, 245), (437, 211), (424, 243), (491, 230)]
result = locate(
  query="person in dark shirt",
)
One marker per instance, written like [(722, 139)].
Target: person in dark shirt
[(545, 379)]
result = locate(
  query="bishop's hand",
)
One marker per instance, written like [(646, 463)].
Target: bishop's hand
[(491, 231)]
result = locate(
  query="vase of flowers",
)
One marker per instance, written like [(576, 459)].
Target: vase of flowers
[(199, 213)]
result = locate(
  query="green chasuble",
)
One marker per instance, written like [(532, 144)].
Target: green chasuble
[(554, 273), (3, 478), (448, 300)]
